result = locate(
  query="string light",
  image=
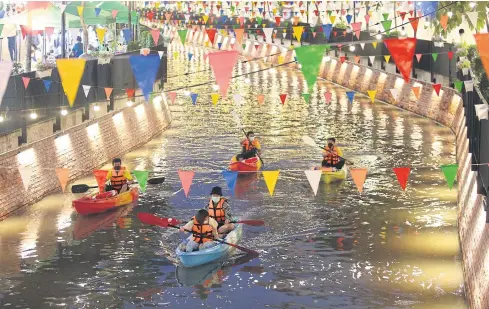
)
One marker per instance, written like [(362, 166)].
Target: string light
[(64, 112), (96, 108), (403, 32), (33, 115), (187, 93), (129, 103), (352, 47), (247, 80), (472, 5), (450, 14), (215, 87), (379, 36), (1, 118)]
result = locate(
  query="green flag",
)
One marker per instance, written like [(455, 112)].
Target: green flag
[(306, 96), (183, 35), (310, 57), (258, 20), (434, 55), (386, 15), (450, 172), (458, 85), (142, 178), (387, 26)]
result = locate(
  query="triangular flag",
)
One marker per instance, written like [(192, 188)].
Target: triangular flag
[(222, 64), (25, 174), (186, 180), (350, 95), (270, 178), (482, 111), (450, 172), (79, 9), (342, 59), (127, 35), (435, 56), (394, 93), (372, 94), (387, 26), (450, 55), (283, 97), (310, 58), (5, 71), (101, 177), (298, 32), (362, 45), (172, 96), (327, 97), (385, 15), (70, 72), (414, 22), (155, 34), (356, 28), (237, 98), (114, 13), (332, 19), (215, 98), (142, 178), (348, 18), (211, 33), (327, 30), (86, 89), (194, 96), (473, 18), (183, 35), (387, 58), (161, 53), (190, 55), (482, 42), (402, 51), (307, 97), (437, 88), (416, 91), (239, 35), (260, 98), (130, 92), (314, 178), (62, 174), (230, 178), (458, 85), (100, 34), (277, 20), (268, 33), (444, 22), (97, 11), (418, 57), (372, 59), (402, 174), (108, 92), (47, 84), (374, 44), (357, 59), (26, 81), (145, 69), (359, 175)]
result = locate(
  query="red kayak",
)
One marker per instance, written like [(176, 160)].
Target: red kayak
[(248, 165), (97, 203)]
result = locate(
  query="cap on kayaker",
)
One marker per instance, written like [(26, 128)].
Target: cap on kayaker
[(216, 190)]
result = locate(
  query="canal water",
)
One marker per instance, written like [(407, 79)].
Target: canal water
[(383, 248)]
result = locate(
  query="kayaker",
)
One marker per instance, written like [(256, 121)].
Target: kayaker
[(332, 155), (250, 147), (201, 225), (220, 211), (119, 177)]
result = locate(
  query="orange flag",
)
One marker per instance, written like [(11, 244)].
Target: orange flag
[(186, 179), (482, 42), (444, 22), (416, 91), (260, 98), (108, 92), (359, 175), (63, 174), (402, 174), (357, 59), (101, 177)]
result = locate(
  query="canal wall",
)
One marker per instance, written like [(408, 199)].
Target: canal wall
[(81, 149)]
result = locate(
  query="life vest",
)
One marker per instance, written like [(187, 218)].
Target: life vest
[(201, 230), (217, 212), (247, 146), (118, 180), (331, 156)]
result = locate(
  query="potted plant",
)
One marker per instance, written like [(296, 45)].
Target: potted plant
[(103, 56), (341, 24), (17, 69), (464, 66), (44, 69)]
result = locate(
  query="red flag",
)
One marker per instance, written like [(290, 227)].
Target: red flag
[(482, 42), (277, 20), (212, 34), (450, 55), (283, 97), (437, 88), (101, 177), (342, 59), (402, 174), (402, 51), (130, 92), (414, 22), (403, 14)]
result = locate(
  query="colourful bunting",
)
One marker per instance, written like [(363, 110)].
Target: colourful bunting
[(186, 180), (270, 178), (26, 81), (230, 178), (142, 178), (86, 89), (130, 92), (458, 85), (327, 30), (437, 88), (222, 64), (418, 57), (155, 34), (402, 51), (450, 55), (450, 172), (62, 174), (108, 92), (26, 175), (435, 56), (372, 94), (307, 97), (414, 22), (145, 69), (314, 178), (79, 9), (416, 90), (172, 96), (327, 97), (47, 84), (310, 58), (387, 26), (70, 72), (482, 42), (114, 13), (298, 32), (402, 174), (215, 98), (359, 175), (444, 22), (100, 34), (394, 93), (350, 95), (374, 44), (387, 58), (194, 96), (283, 97), (211, 33), (260, 98), (356, 28)]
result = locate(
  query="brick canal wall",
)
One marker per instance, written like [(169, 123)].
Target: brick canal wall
[(81, 149)]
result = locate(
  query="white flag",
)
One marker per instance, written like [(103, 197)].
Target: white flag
[(314, 177), (25, 175), (86, 89), (394, 93)]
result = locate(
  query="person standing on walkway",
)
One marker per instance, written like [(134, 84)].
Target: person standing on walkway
[(77, 48)]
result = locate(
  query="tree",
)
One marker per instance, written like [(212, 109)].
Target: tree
[(459, 11)]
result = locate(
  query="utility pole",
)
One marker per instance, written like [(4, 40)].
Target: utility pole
[(415, 31), (63, 35)]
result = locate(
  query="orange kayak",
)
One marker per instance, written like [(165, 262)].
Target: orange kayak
[(90, 205), (248, 165)]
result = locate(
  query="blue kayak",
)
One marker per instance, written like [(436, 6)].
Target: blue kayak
[(199, 257)]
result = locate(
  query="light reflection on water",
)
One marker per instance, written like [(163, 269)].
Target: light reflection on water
[(384, 248)]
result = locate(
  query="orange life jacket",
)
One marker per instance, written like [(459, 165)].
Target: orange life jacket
[(331, 156), (201, 232), (217, 211), (247, 146), (118, 180)]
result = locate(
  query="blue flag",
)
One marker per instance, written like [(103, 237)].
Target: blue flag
[(145, 69), (97, 11), (350, 95), (194, 97), (428, 7), (127, 35), (327, 30), (348, 18), (260, 10), (219, 45), (230, 178), (47, 84), (190, 56), (224, 18)]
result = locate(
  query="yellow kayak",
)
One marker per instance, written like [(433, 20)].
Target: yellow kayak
[(329, 176)]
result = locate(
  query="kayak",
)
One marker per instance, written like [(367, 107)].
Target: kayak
[(329, 176), (248, 165), (97, 203), (200, 257)]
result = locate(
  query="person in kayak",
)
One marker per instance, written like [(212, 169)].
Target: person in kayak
[(220, 211), (332, 155), (204, 230), (250, 147), (119, 177)]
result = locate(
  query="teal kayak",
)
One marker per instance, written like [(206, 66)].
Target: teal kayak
[(200, 257)]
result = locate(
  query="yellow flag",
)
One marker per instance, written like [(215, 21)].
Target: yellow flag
[(215, 98), (298, 32), (157, 4), (70, 72), (271, 180), (371, 94), (280, 59), (100, 34), (206, 18), (374, 44), (274, 11), (80, 10), (332, 18), (175, 55), (387, 58)]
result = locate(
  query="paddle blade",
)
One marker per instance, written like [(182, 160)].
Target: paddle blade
[(151, 219), (251, 222), (249, 251), (80, 188), (309, 141), (156, 180)]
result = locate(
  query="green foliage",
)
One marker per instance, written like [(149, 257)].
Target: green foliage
[(478, 70), (133, 45), (394, 33), (146, 40), (459, 10), (341, 24), (17, 69), (464, 64)]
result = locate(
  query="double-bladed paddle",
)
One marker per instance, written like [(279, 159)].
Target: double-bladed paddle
[(151, 219), (82, 188), (309, 141)]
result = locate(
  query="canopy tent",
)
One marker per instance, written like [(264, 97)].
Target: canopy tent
[(41, 17), (104, 10)]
